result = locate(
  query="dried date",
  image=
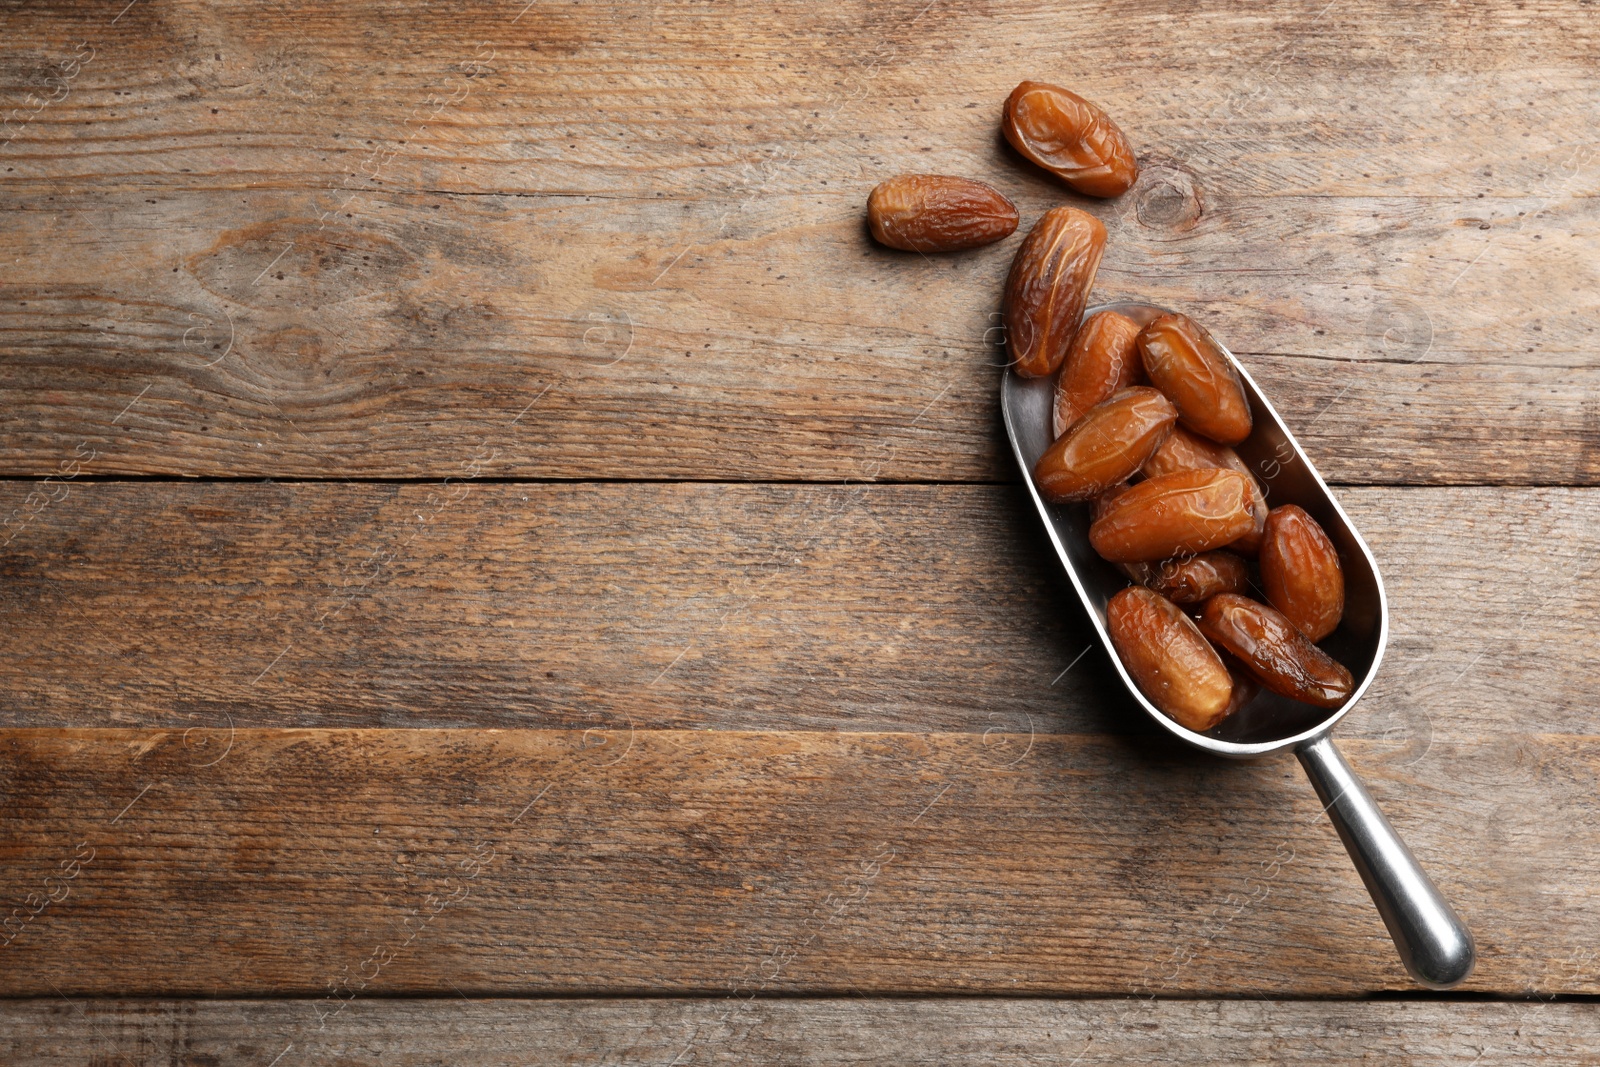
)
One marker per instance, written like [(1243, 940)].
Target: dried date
[(1048, 287), (1184, 450), (938, 213), (1098, 506), (1245, 686), (1184, 362), (1301, 573), (1069, 137), (1173, 665), (1103, 361), (1281, 657), (1109, 443), (1175, 514)]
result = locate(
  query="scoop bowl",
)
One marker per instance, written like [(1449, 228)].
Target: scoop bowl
[(1434, 945)]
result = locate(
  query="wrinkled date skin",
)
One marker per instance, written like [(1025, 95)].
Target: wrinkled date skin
[(1182, 361), (1069, 137), (1103, 360), (1173, 665), (1193, 579), (1174, 515), (1109, 443), (1300, 572), (1184, 450), (1281, 657), (938, 213), (1048, 287)]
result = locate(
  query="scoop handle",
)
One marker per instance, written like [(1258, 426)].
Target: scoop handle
[(1433, 942)]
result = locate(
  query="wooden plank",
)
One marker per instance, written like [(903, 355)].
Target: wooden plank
[(824, 1033), (208, 334), (670, 265), (731, 606), (1364, 98), (351, 864)]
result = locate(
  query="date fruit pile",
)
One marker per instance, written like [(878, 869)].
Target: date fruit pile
[(1145, 421)]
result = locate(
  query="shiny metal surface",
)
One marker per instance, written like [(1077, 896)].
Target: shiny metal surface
[(1433, 943)]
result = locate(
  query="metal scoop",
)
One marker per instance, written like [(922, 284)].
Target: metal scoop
[(1434, 944)]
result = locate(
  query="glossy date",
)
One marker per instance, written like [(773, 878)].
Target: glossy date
[(1194, 579), (1175, 514), (1301, 573), (1184, 363), (1173, 665), (1069, 137), (1185, 450), (1107, 445), (1281, 657), (1048, 287), (1103, 361), (938, 213)]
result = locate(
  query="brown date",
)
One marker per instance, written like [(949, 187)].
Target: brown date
[(938, 213), (1109, 443), (1281, 657), (1103, 359), (1171, 662), (1184, 450), (1069, 137), (1184, 362), (1048, 287), (1300, 572), (1173, 515), (1192, 579)]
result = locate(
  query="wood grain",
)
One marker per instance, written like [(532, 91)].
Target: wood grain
[(348, 865), (497, 249), (1361, 98), (731, 606), (249, 256), (824, 1033)]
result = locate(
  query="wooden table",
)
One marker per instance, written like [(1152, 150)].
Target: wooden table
[(498, 568)]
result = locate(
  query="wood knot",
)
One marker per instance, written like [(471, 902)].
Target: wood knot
[(1166, 197)]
